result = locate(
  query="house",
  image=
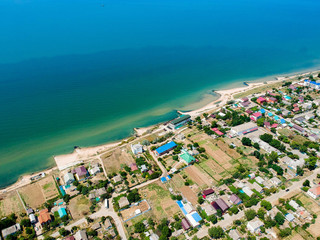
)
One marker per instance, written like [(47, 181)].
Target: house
[(314, 192), (296, 109), (245, 99), (32, 218), (117, 178), (207, 192), (289, 217), (307, 105), (294, 204), (81, 235), (234, 234), (187, 158), (11, 230), (180, 121), (209, 209), (107, 224), (154, 236), (137, 148), (245, 104), (94, 170), (70, 238), (309, 116), (314, 137), (62, 212), (220, 204), (143, 168), (247, 191), (29, 211), (217, 131), (185, 224), (68, 178), (255, 225), (123, 202), (243, 129), (44, 217), (261, 100), (235, 199), (298, 128), (255, 116), (81, 172), (271, 100), (96, 226), (259, 180), (193, 218), (165, 148), (133, 167), (275, 181)]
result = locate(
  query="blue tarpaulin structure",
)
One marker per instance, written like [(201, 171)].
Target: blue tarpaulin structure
[(163, 179)]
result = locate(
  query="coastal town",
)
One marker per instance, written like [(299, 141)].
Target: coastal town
[(246, 166)]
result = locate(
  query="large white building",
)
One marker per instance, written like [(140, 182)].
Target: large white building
[(137, 148), (243, 129)]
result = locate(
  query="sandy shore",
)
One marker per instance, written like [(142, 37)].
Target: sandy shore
[(82, 154)]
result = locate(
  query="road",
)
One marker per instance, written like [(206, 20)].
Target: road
[(228, 220)]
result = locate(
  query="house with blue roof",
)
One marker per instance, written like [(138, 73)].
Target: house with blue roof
[(165, 148), (282, 121), (262, 110), (62, 212), (270, 114)]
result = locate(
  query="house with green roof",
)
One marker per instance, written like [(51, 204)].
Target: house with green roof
[(185, 156)]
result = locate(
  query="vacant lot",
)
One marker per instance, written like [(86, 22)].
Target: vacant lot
[(231, 152), (200, 178), (48, 188), (32, 195), (79, 206), (189, 194), (114, 161), (162, 206), (10, 203), (130, 212)]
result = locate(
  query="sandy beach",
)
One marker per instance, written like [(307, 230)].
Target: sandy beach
[(80, 155)]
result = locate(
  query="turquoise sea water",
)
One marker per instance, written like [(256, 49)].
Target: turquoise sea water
[(87, 72)]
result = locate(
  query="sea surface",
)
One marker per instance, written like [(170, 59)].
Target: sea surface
[(86, 72)]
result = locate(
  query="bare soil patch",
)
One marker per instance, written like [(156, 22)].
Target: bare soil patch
[(197, 176), (189, 194), (32, 195), (130, 212), (114, 161), (79, 207), (48, 187), (10, 203), (231, 152)]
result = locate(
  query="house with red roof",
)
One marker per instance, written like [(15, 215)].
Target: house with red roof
[(133, 167), (207, 192), (217, 131), (296, 109), (220, 204), (271, 100), (314, 192), (44, 217), (261, 100), (255, 116)]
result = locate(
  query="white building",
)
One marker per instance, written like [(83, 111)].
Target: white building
[(275, 181), (247, 191), (255, 225), (314, 192), (243, 129), (137, 148)]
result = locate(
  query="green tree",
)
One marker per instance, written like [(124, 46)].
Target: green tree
[(260, 213), (306, 183), (63, 232), (250, 214), (267, 205), (216, 232), (311, 162), (300, 171), (246, 141), (200, 200), (25, 222), (139, 227), (279, 218)]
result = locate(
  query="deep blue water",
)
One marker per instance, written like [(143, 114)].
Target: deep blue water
[(86, 72)]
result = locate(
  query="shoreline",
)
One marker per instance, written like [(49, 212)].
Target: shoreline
[(86, 153)]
